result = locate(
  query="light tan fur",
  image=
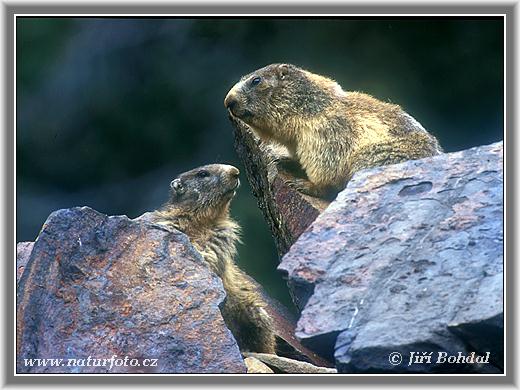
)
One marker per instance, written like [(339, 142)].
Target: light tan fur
[(331, 133)]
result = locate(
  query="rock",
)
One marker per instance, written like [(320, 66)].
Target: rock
[(408, 258), (97, 287), (23, 252), (285, 365), (284, 323), (287, 212), (255, 366), (480, 321)]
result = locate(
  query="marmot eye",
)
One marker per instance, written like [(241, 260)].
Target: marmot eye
[(256, 81), (202, 174)]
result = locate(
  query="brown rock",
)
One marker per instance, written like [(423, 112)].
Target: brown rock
[(98, 286), (287, 344)]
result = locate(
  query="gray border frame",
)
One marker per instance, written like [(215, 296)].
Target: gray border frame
[(222, 9)]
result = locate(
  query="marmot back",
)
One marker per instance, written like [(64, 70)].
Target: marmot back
[(199, 207), (329, 132)]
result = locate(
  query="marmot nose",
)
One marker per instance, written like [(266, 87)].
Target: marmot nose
[(230, 170), (233, 171), (230, 101)]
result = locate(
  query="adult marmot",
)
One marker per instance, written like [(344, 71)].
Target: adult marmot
[(199, 207), (329, 132)]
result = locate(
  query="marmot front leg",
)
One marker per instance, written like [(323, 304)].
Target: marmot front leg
[(297, 179), (304, 186), (246, 317), (262, 338), (309, 188), (291, 167), (248, 321)]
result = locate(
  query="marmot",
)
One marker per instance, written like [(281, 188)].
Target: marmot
[(331, 133), (199, 207)]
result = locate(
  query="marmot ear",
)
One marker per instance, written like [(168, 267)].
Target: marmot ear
[(283, 71), (177, 186)]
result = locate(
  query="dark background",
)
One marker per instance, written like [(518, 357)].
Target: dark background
[(110, 110)]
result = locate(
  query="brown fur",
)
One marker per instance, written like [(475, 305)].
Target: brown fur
[(329, 132), (199, 207)]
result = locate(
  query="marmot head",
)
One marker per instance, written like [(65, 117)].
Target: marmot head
[(205, 192), (267, 97)]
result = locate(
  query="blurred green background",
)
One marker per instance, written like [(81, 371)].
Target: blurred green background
[(110, 110)]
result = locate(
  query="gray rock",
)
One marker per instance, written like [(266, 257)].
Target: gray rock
[(480, 321), (23, 252), (255, 366), (283, 365), (98, 286), (409, 258)]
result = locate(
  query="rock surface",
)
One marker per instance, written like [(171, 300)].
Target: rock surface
[(287, 212), (97, 286), (255, 366), (408, 258), (287, 344), (283, 365), (23, 252)]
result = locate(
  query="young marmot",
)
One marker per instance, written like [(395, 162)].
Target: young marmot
[(331, 133), (199, 207)]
